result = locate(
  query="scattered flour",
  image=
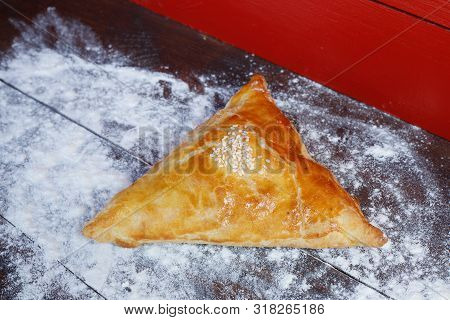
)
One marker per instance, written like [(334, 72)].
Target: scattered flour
[(381, 153), (286, 280), (55, 176), (28, 274)]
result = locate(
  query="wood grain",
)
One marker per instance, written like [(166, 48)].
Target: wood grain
[(157, 43), (368, 51)]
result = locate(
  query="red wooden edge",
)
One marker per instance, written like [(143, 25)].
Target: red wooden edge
[(368, 51), (437, 11)]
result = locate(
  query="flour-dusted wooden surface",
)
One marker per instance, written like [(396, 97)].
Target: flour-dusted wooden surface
[(88, 91)]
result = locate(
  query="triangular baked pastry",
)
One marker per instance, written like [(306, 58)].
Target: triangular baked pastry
[(242, 178)]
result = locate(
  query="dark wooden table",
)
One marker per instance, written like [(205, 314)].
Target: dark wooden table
[(398, 172)]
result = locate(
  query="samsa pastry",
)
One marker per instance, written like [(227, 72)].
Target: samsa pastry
[(242, 178)]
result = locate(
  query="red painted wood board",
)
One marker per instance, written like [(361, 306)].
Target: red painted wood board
[(365, 50), (437, 11)]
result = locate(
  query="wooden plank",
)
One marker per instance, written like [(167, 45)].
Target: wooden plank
[(155, 43), (25, 273), (370, 52), (337, 130)]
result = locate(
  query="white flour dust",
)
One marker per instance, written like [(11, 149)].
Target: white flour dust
[(56, 175)]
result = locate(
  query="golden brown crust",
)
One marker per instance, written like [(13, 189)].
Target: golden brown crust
[(242, 178)]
